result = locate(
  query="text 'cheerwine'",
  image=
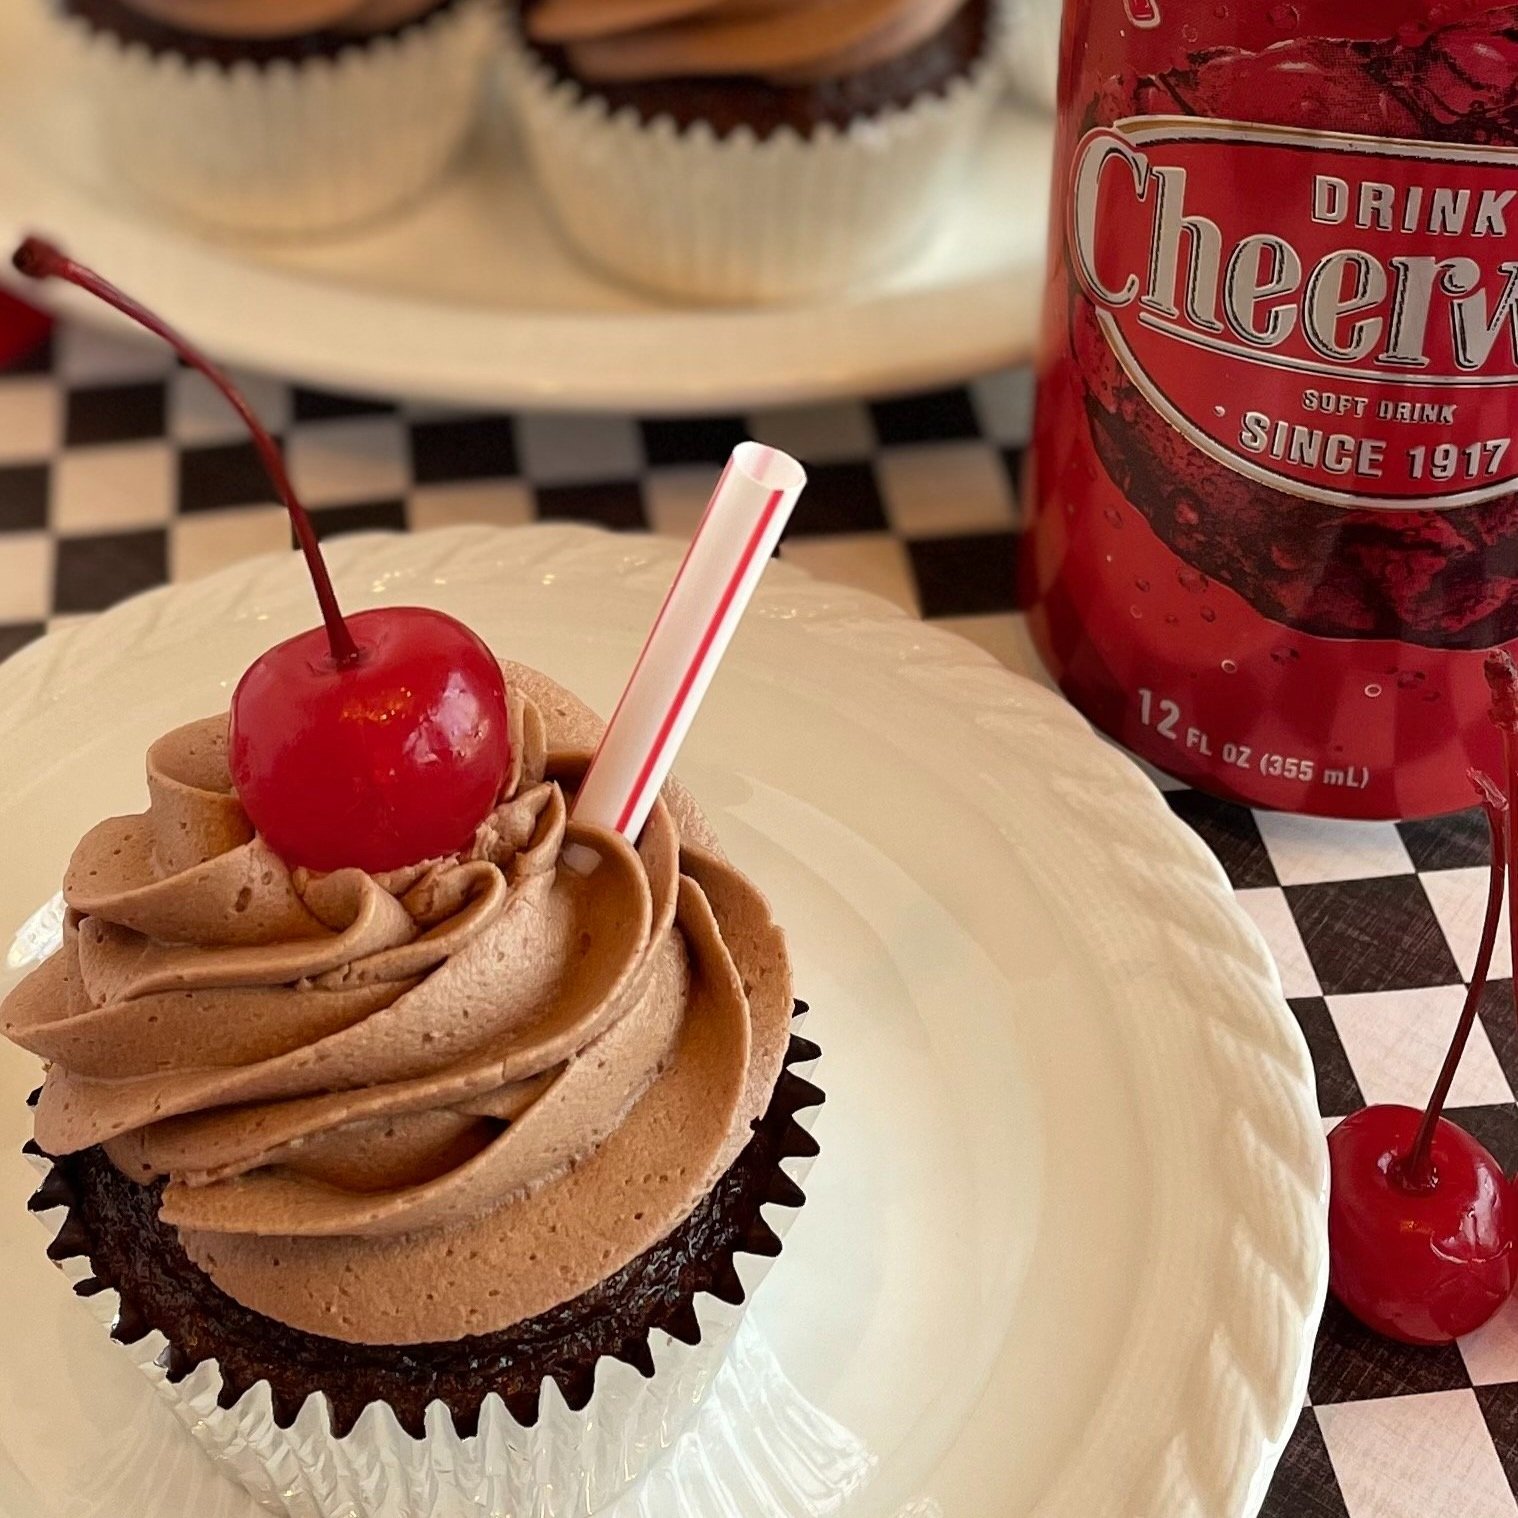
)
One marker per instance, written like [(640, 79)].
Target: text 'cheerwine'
[(1332, 315)]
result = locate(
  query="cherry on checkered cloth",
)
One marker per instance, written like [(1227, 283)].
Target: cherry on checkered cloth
[(1422, 1221)]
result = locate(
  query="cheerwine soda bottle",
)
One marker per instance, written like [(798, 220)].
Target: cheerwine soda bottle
[(1275, 477)]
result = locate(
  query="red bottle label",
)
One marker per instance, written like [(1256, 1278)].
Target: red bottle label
[(1275, 483), (1329, 316)]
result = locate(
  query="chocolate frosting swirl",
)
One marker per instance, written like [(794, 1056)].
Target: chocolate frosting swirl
[(411, 1107), (789, 41), (282, 18)]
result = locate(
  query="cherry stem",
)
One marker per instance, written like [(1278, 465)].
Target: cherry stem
[(1510, 758), (1416, 1171), (1502, 681), (41, 260)]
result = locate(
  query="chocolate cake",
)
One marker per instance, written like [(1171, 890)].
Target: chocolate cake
[(531, 1108), (391, 1058)]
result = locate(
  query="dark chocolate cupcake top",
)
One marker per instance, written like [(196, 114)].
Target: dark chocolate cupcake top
[(281, 18), (411, 1107), (785, 41)]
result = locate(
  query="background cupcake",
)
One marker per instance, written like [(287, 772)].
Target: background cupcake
[(721, 151), (280, 117)]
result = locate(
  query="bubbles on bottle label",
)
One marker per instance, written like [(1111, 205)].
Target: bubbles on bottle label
[(1171, 620), (1189, 33), (1192, 580), (1372, 690), (1284, 655), (1113, 515), (1285, 17), (1208, 614), (1410, 679), (1141, 584), (1230, 667)]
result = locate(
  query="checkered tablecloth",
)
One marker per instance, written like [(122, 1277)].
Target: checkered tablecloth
[(119, 470)]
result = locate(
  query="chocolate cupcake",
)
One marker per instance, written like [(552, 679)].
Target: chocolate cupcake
[(279, 117), (453, 1177), (712, 150)]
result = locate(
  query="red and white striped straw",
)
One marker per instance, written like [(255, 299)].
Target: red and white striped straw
[(723, 565)]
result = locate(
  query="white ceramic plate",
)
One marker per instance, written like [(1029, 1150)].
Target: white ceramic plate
[(1065, 1250), (470, 297)]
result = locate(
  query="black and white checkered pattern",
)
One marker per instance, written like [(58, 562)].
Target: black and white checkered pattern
[(1374, 927), (119, 470)]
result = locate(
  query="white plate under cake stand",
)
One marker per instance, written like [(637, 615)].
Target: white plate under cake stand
[(1064, 1252), (470, 297)]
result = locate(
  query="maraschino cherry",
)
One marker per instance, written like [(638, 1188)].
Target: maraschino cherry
[(1422, 1223), (376, 741)]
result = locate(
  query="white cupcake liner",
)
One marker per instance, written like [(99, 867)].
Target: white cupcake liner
[(735, 219), (287, 149), (568, 1465)]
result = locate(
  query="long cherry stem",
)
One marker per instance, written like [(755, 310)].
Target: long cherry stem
[(1510, 758), (1416, 1171), (41, 260), (1502, 682)]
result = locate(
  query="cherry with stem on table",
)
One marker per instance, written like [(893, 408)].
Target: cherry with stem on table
[(1422, 1221), (374, 741)]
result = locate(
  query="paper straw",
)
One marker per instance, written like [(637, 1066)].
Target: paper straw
[(711, 590)]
